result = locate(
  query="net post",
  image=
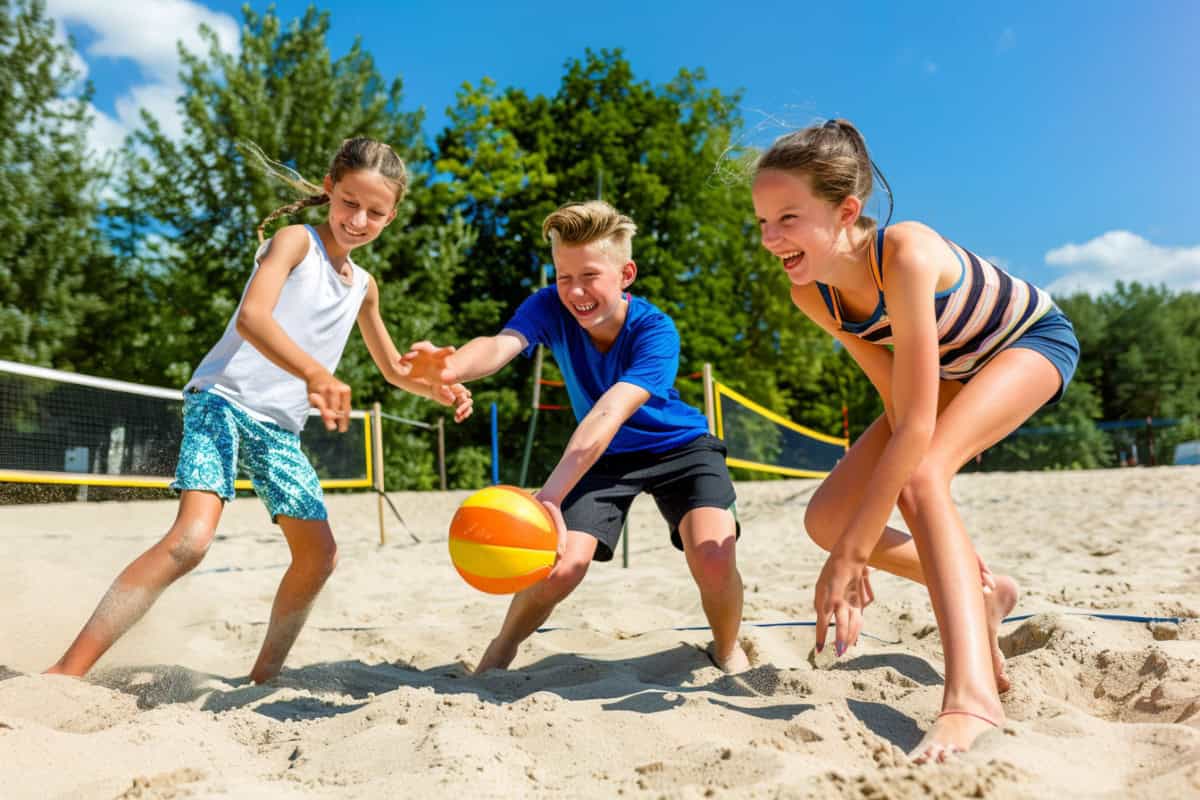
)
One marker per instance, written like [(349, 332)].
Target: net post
[(709, 399), (625, 545), (441, 444), (377, 458)]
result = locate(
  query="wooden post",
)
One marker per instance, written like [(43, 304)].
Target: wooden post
[(377, 463), (441, 434)]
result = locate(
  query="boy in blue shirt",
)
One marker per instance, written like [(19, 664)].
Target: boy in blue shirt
[(618, 355)]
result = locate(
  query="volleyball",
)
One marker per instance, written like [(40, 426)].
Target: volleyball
[(502, 540)]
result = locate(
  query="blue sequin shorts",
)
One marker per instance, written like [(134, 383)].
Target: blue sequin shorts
[(219, 437)]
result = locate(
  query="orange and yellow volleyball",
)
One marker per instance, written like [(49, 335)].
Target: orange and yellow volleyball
[(502, 540)]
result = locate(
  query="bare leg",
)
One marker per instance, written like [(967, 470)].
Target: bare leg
[(709, 541), (531, 608), (1010, 389), (140, 583), (841, 493), (997, 400), (314, 556)]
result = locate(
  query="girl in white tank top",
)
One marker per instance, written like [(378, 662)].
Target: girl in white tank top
[(250, 396)]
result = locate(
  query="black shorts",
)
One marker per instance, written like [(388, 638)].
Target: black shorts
[(688, 477)]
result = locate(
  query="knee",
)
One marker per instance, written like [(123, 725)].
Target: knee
[(566, 575), (319, 559), (928, 483), (822, 526), (714, 565), (187, 543)]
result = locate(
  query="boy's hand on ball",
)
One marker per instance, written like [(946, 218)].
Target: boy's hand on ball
[(560, 525)]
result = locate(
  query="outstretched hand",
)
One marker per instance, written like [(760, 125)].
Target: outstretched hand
[(843, 592), (427, 362), (455, 395)]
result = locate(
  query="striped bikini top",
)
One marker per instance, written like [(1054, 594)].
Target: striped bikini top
[(984, 311)]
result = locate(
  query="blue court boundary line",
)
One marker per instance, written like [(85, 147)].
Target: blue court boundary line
[(1018, 618)]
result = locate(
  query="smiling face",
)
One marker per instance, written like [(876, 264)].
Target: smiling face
[(802, 230), (591, 280), (361, 204)]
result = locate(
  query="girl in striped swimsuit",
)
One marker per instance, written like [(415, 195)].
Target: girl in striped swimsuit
[(961, 354)]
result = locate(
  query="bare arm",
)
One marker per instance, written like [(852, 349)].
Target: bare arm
[(385, 355), (478, 358), (592, 437), (256, 324), (909, 289)]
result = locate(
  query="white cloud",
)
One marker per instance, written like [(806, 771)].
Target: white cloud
[(147, 33), (1095, 266)]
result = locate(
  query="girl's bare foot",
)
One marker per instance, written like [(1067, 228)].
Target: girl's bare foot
[(737, 660), (499, 655), (953, 733), (998, 604)]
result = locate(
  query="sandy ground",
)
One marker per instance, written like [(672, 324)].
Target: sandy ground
[(617, 699)]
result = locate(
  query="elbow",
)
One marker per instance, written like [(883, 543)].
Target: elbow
[(247, 322)]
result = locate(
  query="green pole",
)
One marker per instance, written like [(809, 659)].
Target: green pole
[(537, 394), (625, 545), (529, 443)]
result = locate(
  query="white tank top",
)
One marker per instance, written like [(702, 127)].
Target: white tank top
[(316, 309)]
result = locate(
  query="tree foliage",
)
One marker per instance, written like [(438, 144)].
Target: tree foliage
[(190, 206), (53, 253), (132, 270), (652, 152)]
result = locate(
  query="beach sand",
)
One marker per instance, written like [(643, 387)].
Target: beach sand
[(618, 699)]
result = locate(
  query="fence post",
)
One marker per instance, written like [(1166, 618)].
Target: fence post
[(377, 462), (709, 399)]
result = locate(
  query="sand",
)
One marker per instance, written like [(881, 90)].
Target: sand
[(376, 699)]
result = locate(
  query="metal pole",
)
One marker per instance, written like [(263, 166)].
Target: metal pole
[(377, 462), (709, 399), (625, 545), (441, 436)]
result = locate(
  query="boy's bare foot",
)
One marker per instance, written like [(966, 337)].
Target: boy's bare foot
[(998, 604), (733, 663), (499, 655), (953, 733)]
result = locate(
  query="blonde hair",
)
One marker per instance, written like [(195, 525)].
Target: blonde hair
[(593, 221), (359, 153)]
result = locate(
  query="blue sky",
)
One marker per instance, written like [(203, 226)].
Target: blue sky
[(1058, 139)]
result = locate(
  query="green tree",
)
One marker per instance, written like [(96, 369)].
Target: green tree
[(653, 152), (51, 272), (190, 206)]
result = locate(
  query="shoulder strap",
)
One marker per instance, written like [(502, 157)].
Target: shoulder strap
[(830, 303), (876, 264)]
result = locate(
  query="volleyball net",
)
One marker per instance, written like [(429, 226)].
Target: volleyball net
[(64, 428), (761, 440), (755, 437)]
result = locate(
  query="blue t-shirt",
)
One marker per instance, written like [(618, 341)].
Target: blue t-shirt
[(646, 354)]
